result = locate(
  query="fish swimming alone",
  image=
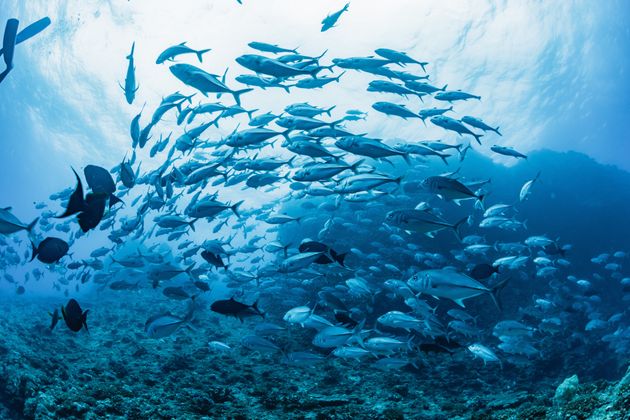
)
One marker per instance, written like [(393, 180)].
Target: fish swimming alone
[(130, 87), (74, 316), (330, 20)]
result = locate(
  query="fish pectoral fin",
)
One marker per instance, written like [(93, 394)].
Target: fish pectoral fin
[(460, 302)]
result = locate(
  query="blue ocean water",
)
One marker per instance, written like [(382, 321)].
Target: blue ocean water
[(306, 210)]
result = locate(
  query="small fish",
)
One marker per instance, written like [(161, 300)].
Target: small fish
[(163, 325), (330, 20), (170, 53), (484, 353), (54, 319), (130, 87), (507, 151)]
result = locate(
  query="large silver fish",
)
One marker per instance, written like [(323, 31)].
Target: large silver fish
[(452, 285)]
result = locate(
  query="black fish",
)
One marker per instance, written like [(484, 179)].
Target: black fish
[(483, 271), (99, 179), (213, 259), (127, 177), (344, 318), (239, 310), (101, 183), (434, 348), (328, 256), (94, 211), (445, 342), (202, 285), (331, 300), (91, 208), (76, 203), (177, 293), (50, 250), (73, 315), (554, 249), (20, 290), (54, 319)]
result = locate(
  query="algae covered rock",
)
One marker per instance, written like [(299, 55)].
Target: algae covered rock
[(566, 390)]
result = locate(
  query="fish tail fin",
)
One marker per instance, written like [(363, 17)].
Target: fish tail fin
[(480, 199), (356, 165), (237, 94), (30, 226), (478, 137), (496, 130), (113, 200), (250, 112), (443, 156), (133, 47), (84, 320), (200, 54), (189, 269), (457, 226), (405, 156), (192, 115), (495, 290), (286, 133), (235, 207), (191, 310), (334, 123), (356, 333), (327, 111), (341, 258), (34, 251), (339, 77), (192, 224), (321, 55), (444, 88), (255, 306), (316, 70)]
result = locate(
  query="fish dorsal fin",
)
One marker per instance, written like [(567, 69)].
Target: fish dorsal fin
[(183, 43), (7, 208)]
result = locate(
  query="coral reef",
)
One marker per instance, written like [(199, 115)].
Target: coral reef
[(115, 371)]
